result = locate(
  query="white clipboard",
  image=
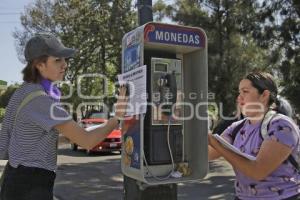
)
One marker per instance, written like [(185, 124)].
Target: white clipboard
[(232, 148)]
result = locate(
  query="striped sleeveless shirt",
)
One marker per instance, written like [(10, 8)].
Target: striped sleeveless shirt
[(32, 142)]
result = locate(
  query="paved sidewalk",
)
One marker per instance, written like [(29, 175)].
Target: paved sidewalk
[(91, 179), (86, 185), (103, 180)]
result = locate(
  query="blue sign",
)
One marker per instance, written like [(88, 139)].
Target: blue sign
[(131, 57), (171, 34)]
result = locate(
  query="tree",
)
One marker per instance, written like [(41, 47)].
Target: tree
[(280, 33), (93, 27), (232, 52), (5, 97), (2, 113)]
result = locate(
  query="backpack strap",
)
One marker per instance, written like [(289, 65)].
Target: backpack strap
[(237, 129), (27, 99), (269, 117), (293, 162)]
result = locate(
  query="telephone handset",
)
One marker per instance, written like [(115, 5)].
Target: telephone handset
[(168, 91)]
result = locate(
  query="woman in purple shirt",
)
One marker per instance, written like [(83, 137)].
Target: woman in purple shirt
[(271, 175)]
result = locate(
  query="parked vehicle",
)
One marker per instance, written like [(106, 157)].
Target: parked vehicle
[(110, 144)]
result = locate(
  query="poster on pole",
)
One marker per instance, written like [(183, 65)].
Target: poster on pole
[(136, 80)]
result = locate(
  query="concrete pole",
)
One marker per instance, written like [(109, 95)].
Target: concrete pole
[(145, 13)]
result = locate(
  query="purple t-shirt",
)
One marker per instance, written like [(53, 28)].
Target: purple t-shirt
[(283, 182)]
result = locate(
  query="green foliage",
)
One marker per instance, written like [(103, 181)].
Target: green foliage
[(5, 97), (3, 82), (280, 33), (2, 113), (242, 36), (232, 52)]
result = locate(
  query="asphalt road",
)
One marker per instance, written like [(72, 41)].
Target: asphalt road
[(81, 177)]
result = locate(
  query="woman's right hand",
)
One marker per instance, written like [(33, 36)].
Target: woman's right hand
[(121, 104)]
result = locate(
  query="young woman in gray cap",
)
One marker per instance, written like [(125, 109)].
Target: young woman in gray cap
[(34, 119)]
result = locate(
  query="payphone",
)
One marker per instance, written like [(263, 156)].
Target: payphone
[(160, 140), (166, 79), (163, 132)]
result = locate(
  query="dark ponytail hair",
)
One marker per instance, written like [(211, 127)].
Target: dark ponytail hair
[(264, 81), (284, 107), (30, 73)]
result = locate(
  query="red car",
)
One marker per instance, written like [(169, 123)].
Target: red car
[(111, 143)]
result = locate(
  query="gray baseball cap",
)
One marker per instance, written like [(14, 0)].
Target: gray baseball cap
[(46, 45)]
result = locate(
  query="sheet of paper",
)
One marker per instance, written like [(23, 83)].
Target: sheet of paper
[(137, 103), (232, 148)]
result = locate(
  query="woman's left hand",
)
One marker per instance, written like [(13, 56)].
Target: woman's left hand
[(209, 137), (211, 140)]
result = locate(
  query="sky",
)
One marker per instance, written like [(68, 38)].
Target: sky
[(10, 66)]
